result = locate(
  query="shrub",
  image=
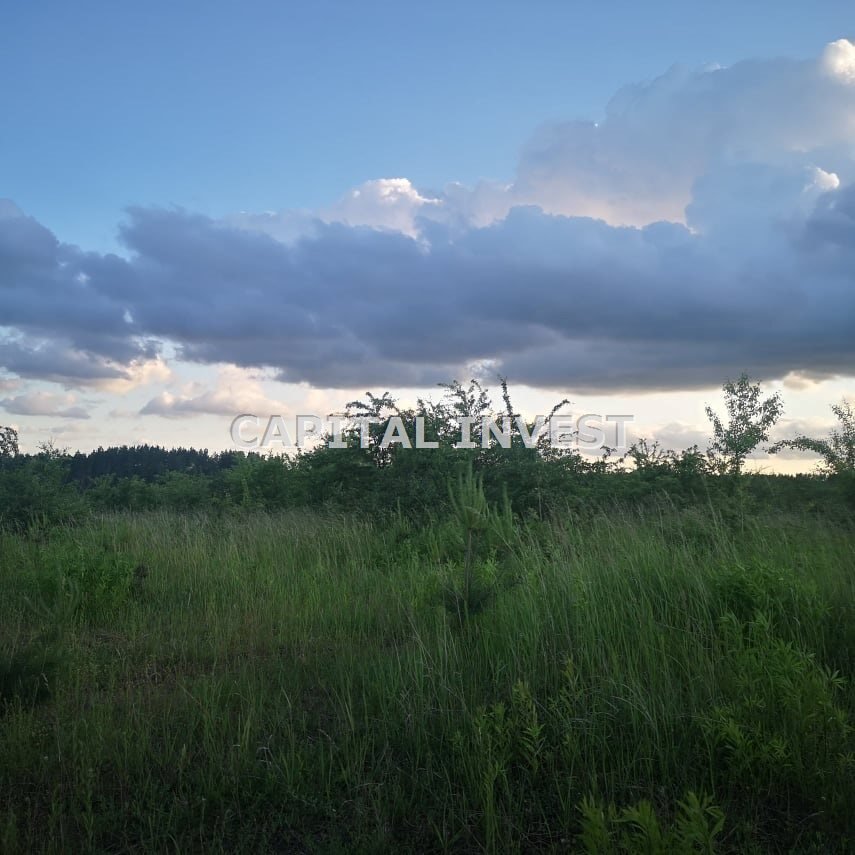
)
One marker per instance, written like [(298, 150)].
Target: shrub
[(34, 494)]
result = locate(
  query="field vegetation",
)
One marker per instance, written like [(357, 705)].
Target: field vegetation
[(368, 650)]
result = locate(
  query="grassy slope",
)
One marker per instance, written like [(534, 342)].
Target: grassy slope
[(294, 683)]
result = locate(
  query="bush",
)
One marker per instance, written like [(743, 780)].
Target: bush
[(34, 494)]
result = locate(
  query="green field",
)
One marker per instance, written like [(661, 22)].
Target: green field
[(658, 681)]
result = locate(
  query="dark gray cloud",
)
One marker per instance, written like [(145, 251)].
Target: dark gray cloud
[(552, 301), (57, 361), (413, 288), (66, 326)]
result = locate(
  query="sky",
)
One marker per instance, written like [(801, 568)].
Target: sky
[(219, 208)]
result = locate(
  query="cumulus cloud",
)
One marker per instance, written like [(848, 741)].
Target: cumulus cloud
[(641, 162), (705, 226), (838, 61), (235, 393), (174, 406), (138, 373), (45, 404), (386, 203)]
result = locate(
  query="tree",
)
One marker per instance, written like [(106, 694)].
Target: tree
[(749, 420), (8, 442), (838, 451)]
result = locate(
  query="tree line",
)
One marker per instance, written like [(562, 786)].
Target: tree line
[(372, 476)]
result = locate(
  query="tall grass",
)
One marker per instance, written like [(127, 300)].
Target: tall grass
[(296, 682)]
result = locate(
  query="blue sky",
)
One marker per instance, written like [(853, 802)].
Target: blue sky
[(624, 204), (222, 106)]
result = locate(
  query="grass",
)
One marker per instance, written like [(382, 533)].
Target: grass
[(658, 682)]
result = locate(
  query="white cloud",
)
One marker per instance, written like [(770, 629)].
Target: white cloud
[(388, 203), (138, 374), (838, 60), (384, 203), (45, 404), (236, 391), (822, 180)]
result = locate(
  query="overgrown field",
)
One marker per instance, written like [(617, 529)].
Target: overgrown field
[(298, 682)]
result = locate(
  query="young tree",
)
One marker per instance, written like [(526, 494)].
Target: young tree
[(8, 442), (749, 420), (838, 451)]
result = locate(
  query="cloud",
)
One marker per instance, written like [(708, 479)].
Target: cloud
[(641, 162), (816, 428), (800, 380), (172, 406), (392, 204), (838, 61), (704, 227), (45, 404), (138, 373), (554, 301), (235, 393), (70, 429), (674, 436), (387, 203), (57, 361)]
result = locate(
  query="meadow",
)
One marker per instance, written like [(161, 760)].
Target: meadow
[(661, 679)]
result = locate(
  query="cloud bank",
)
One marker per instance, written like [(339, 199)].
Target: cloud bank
[(705, 226)]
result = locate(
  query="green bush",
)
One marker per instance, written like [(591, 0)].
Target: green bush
[(35, 495)]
